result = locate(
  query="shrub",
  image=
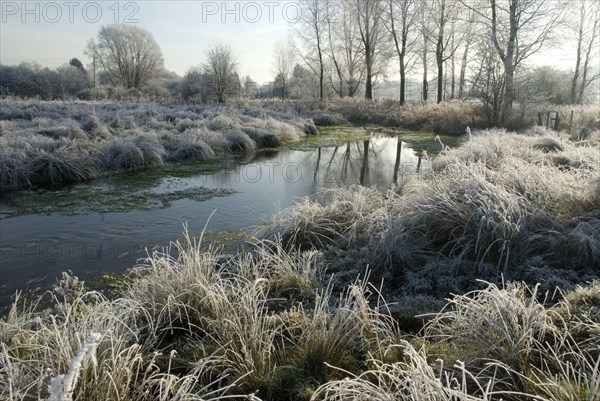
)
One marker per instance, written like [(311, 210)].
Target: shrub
[(151, 148), (89, 349), (284, 131), (502, 326), (547, 145), (187, 124), (471, 217), (408, 380), (324, 118), (583, 241), (5, 127), (96, 129)]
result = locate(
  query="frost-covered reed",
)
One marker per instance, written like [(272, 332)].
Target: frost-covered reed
[(501, 206), (193, 326), (267, 325), (54, 142)]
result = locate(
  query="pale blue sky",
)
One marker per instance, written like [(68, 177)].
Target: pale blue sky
[(51, 33)]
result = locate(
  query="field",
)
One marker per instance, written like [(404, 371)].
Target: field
[(343, 299)]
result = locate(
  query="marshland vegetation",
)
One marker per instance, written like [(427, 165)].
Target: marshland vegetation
[(475, 278), (340, 298), (46, 143)]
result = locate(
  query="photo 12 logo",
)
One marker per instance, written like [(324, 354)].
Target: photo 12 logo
[(250, 11), (69, 11)]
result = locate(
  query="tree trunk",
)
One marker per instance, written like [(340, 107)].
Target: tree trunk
[(439, 53), (402, 81), (364, 171), (463, 69), (584, 79), (509, 90), (586, 66), (369, 81), (452, 78), (440, 80), (321, 79), (425, 88), (574, 97)]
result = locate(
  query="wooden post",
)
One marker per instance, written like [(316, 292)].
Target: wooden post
[(571, 122), (540, 119), (557, 121), (548, 120)]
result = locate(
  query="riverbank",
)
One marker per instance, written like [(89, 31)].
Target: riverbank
[(103, 226), (274, 323), (263, 327), (48, 143), (503, 206), (446, 118)]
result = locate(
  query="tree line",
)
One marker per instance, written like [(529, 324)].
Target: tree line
[(478, 48), (460, 48)]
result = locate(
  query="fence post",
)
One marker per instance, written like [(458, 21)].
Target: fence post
[(571, 122), (557, 121), (540, 119)]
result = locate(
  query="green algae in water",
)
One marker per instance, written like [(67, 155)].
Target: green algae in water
[(331, 136), (147, 189), (87, 198), (338, 135)]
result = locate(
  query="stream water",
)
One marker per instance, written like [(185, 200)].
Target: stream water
[(107, 225)]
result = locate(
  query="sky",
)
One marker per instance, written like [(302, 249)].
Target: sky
[(52, 32)]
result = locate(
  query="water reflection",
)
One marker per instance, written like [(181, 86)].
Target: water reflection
[(376, 162), (35, 249)]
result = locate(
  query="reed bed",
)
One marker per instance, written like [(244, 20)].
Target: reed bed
[(266, 325), (503, 206), (46, 143), (505, 228)]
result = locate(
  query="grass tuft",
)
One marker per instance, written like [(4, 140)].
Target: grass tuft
[(55, 168), (190, 147), (239, 141)]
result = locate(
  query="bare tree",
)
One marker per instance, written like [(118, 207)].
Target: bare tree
[(401, 19), (128, 54), (489, 81), (443, 14), (283, 64), (425, 28), (310, 31), (369, 15), (221, 64), (71, 79), (344, 51), (588, 28), (248, 86), (518, 29), (470, 22), (303, 83)]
